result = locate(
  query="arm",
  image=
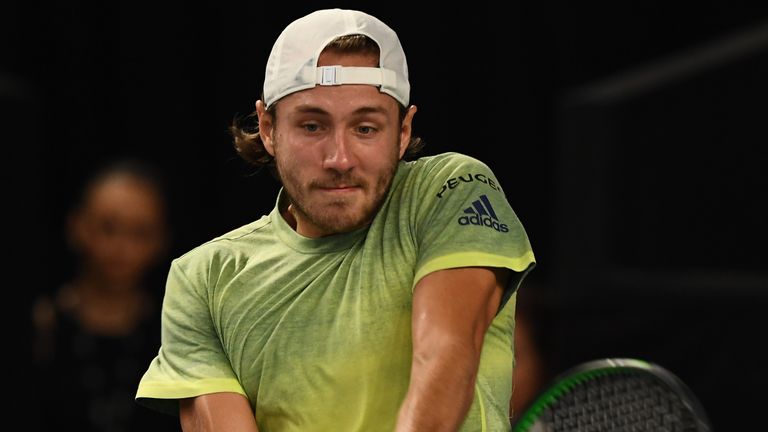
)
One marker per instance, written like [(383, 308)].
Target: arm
[(452, 310), (217, 412)]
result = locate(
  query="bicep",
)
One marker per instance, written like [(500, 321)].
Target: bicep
[(457, 304), (217, 412)]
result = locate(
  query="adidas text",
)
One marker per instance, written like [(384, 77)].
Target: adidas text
[(483, 221)]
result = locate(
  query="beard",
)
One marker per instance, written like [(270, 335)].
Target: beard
[(335, 215)]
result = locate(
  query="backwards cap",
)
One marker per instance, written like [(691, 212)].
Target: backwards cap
[(292, 64)]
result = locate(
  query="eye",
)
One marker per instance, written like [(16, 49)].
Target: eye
[(366, 130), (311, 127)]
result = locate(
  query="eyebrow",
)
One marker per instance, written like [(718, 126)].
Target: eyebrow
[(311, 109)]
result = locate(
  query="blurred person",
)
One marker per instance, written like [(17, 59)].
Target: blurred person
[(532, 367), (94, 334), (379, 293)]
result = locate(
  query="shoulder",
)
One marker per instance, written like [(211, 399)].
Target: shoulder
[(53, 317), (445, 171), (233, 241), (446, 162), (48, 308), (445, 168), (225, 254)]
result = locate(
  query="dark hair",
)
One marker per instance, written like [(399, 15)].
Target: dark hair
[(137, 169), (245, 129)]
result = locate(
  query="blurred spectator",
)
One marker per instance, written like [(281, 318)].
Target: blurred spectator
[(531, 372), (95, 334)]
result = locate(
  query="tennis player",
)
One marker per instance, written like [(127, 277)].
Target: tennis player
[(379, 293)]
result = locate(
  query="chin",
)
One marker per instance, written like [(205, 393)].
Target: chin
[(343, 221)]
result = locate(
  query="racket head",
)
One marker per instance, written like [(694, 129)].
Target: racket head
[(615, 394)]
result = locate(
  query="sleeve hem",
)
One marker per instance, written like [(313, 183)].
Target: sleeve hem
[(472, 259), (178, 390), (163, 396)]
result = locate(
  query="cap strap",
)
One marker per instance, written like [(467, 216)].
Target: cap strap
[(337, 75)]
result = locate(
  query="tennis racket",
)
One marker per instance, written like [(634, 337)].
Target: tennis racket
[(615, 395)]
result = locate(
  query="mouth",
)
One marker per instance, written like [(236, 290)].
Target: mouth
[(339, 189), (338, 184)]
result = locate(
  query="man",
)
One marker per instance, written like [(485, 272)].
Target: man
[(378, 295)]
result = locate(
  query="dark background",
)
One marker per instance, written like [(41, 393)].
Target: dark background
[(630, 138)]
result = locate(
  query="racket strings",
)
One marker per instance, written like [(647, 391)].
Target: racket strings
[(620, 402)]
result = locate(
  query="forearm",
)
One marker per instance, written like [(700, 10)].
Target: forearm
[(441, 389), (452, 310)]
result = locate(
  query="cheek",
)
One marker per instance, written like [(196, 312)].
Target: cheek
[(297, 153), (293, 166)]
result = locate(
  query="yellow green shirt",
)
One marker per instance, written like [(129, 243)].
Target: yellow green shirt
[(317, 332)]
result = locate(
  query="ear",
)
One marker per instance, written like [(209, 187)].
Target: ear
[(266, 125), (406, 129)]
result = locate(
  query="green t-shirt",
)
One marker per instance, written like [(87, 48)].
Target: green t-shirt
[(317, 332)]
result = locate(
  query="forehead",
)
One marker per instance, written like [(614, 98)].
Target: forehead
[(123, 193)]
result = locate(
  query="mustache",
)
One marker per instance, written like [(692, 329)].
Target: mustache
[(339, 180)]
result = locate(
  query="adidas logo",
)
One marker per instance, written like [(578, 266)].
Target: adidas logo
[(481, 213)]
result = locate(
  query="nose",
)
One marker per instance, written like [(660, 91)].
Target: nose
[(338, 155)]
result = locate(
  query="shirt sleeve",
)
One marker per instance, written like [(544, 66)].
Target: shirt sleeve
[(191, 361), (466, 220)]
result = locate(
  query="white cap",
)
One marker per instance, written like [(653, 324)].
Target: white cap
[(292, 64)]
